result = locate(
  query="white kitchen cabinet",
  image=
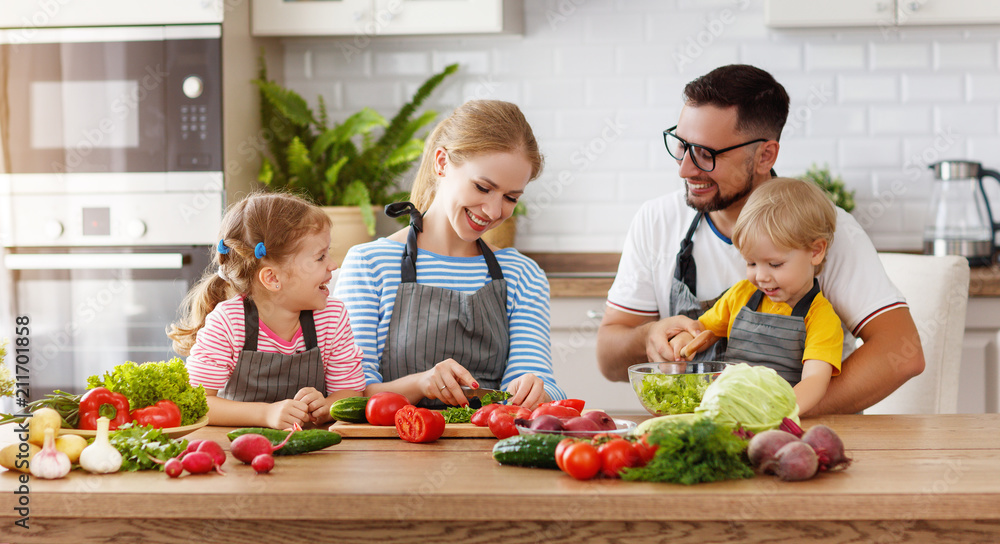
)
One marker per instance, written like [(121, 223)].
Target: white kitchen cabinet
[(385, 17), (979, 381), (574, 357), (880, 13)]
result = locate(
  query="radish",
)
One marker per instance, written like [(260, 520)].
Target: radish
[(263, 463), (248, 446), (828, 446), (198, 462), (764, 445), (796, 461), (212, 448), (173, 468)]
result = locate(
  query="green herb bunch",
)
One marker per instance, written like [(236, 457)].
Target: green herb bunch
[(340, 164), (834, 186), (692, 452), (147, 383), (7, 381), (138, 444)]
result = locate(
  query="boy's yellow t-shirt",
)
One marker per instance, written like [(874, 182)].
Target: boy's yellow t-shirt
[(824, 335)]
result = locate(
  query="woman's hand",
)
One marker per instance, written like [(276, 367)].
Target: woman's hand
[(445, 381), (527, 390), (286, 413)]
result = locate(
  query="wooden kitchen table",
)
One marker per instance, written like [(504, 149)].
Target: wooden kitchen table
[(914, 479)]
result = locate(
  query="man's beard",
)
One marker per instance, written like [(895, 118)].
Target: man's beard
[(720, 201)]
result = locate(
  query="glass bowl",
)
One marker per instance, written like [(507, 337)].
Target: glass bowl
[(672, 388), (623, 428)]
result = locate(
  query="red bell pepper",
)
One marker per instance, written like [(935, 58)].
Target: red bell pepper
[(160, 415), (419, 424), (100, 401)]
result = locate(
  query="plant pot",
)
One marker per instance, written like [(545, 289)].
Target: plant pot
[(348, 230), (503, 235)]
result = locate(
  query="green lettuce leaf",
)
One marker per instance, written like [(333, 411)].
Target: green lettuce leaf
[(755, 397)]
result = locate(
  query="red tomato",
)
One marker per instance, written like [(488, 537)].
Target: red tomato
[(381, 408), (581, 461), (482, 416), (645, 450), (576, 404), (522, 413), (501, 424), (561, 449), (616, 455), (562, 412), (419, 424)]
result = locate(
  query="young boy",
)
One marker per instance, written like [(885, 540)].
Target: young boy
[(778, 317)]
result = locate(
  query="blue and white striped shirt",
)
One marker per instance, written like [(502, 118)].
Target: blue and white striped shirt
[(370, 275)]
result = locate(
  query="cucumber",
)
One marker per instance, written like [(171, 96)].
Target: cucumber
[(528, 450), (351, 409), (300, 442)]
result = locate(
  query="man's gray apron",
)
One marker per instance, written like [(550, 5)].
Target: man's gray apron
[(775, 341), (431, 324), (270, 377), (684, 287)]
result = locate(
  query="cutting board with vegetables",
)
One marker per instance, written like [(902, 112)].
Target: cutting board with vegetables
[(365, 430)]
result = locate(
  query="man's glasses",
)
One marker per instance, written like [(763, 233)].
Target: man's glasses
[(702, 157)]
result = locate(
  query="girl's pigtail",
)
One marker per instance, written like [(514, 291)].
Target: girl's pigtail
[(200, 300)]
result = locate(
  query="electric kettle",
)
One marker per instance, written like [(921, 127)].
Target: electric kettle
[(959, 220)]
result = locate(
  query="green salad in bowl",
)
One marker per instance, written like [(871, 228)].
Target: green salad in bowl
[(672, 388)]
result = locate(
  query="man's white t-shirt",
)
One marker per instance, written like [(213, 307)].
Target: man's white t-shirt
[(852, 279)]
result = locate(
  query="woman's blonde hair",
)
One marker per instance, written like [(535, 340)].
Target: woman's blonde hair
[(279, 221), (475, 128), (792, 213)]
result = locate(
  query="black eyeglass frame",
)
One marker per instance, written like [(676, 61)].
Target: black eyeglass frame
[(688, 145)]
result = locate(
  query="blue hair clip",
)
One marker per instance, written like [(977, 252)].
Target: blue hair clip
[(259, 250), (222, 248)]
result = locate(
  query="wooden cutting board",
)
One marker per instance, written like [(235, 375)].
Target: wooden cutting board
[(365, 430)]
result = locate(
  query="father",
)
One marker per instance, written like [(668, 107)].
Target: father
[(678, 257)]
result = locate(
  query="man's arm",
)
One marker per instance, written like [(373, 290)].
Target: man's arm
[(626, 339), (891, 355)]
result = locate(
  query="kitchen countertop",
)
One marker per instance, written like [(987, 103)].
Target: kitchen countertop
[(591, 275), (923, 478)]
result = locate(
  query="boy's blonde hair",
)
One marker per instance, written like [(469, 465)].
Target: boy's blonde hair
[(475, 128), (792, 213), (279, 221)]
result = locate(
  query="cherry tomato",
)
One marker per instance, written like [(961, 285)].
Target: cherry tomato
[(616, 455), (561, 449), (382, 407), (645, 450), (576, 404), (581, 461), (562, 412), (482, 416), (419, 424), (501, 424)]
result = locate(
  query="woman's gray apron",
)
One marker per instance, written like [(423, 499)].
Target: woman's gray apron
[(270, 377), (431, 324), (684, 287), (774, 341)]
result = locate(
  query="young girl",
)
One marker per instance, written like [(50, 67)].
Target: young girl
[(263, 335), (433, 306), (778, 317)]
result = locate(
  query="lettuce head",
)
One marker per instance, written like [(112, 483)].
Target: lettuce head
[(755, 397)]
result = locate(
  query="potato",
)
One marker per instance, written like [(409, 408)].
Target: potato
[(9, 459), (41, 419), (71, 445)]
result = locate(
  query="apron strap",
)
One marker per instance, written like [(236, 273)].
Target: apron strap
[(251, 325), (308, 329), (491, 261), (801, 307), (685, 269)]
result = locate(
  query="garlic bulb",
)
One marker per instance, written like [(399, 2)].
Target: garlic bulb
[(101, 457), (50, 463)]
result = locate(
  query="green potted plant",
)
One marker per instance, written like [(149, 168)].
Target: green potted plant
[(346, 164), (834, 186)]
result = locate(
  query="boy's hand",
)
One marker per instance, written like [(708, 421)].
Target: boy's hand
[(316, 405)]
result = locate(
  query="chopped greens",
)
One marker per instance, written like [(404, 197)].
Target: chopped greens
[(138, 443), (149, 382), (673, 393), (691, 452), (493, 398), (458, 414)]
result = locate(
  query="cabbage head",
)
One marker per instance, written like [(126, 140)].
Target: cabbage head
[(755, 397)]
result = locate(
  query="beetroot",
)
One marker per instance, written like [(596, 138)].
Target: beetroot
[(603, 420), (764, 445), (796, 461), (828, 447)]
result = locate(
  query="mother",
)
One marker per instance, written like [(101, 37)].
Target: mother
[(433, 306)]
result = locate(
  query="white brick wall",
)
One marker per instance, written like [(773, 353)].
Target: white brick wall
[(600, 79)]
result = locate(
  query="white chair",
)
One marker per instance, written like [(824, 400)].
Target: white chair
[(937, 292)]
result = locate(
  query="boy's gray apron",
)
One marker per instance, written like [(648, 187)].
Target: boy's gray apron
[(431, 324), (775, 341), (270, 377), (684, 287)]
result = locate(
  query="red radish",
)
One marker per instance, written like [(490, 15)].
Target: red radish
[(173, 468), (263, 463), (796, 461), (250, 445), (212, 448), (764, 445), (198, 462), (828, 447)]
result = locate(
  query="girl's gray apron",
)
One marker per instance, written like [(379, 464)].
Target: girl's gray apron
[(270, 377), (774, 341), (431, 324), (684, 287)]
